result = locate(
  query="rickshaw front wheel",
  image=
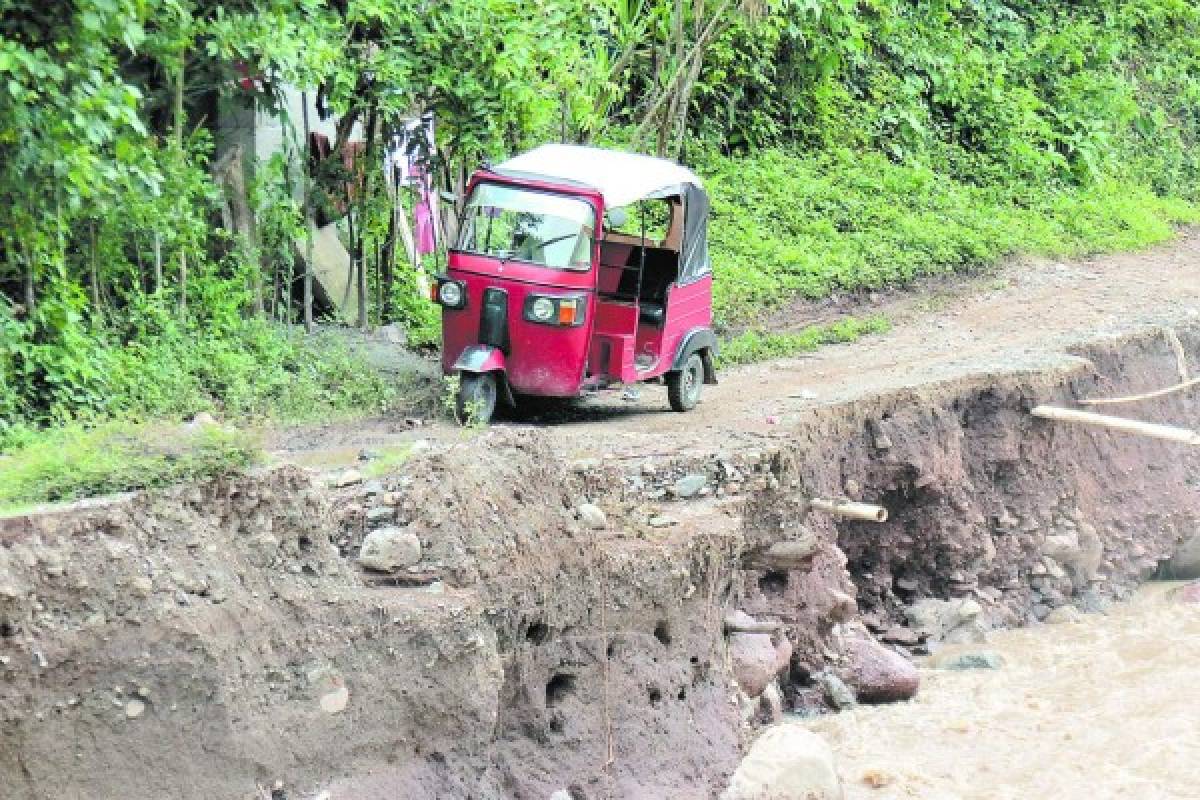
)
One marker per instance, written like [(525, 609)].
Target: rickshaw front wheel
[(477, 393), (683, 387)]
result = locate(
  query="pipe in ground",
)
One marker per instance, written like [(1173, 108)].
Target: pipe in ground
[(845, 508), (1136, 427)]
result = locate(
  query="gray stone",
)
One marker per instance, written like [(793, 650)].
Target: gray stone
[(661, 521), (388, 549), (377, 517), (592, 516), (346, 478), (961, 659), (1064, 615), (690, 485), (1184, 565), (786, 762), (134, 709), (835, 691)]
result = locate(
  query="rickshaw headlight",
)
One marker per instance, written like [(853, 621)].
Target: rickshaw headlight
[(542, 309), (450, 294)]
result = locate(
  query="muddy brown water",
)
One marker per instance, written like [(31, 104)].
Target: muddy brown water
[(1105, 708)]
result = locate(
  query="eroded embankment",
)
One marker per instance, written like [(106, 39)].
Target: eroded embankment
[(206, 642)]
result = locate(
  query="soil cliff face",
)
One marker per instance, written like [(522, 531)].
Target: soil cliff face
[(211, 641)]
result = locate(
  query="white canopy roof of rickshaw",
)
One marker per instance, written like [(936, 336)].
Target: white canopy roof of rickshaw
[(622, 178)]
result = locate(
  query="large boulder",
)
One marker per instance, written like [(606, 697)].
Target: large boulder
[(786, 762), (1185, 564), (388, 549), (878, 674)]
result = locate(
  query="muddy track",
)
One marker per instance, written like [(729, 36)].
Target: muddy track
[(208, 641)]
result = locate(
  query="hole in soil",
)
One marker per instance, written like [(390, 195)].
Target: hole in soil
[(538, 633), (6, 629), (773, 582), (611, 650), (556, 724), (655, 696), (662, 632), (694, 659), (305, 543), (682, 694), (560, 687)]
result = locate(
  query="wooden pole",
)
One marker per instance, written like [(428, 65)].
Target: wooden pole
[(851, 510), (1133, 426)]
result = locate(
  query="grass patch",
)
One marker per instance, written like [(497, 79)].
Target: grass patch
[(72, 462), (751, 346)]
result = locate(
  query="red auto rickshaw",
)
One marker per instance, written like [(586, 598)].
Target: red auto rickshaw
[(555, 288)]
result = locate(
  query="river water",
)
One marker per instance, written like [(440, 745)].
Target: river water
[(1108, 707)]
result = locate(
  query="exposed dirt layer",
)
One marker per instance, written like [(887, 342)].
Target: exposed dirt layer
[(206, 642)]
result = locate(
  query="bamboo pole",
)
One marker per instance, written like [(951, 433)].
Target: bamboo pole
[(851, 510), (1133, 426), (1106, 401)]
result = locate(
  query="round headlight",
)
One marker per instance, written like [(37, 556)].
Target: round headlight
[(542, 309), (450, 293)]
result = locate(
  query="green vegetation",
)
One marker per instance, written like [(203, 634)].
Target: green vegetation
[(787, 225), (752, 345), (72, 462), (850, 144)]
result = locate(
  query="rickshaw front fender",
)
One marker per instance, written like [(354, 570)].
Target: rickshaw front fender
[(481, 358), (701, 340)]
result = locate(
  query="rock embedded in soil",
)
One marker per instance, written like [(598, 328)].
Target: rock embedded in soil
[(389, 549), (755, 661), (786, 762), (592, 516), (690, 486), (878, 674)]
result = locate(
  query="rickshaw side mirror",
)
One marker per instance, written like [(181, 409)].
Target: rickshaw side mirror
[(616, 217)]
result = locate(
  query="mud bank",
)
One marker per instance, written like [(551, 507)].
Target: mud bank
[(210, 641)]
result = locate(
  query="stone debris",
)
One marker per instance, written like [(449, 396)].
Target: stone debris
[(134, 709)]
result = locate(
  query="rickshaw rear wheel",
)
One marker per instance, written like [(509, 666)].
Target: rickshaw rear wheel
[(683, 387), (477, 393)]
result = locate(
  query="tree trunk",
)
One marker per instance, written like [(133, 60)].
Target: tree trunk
[(308, 221), (229, 172), (158, 263), (95, 272), (180, 76)]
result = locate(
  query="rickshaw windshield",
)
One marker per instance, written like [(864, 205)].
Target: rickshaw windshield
[(549, 230)]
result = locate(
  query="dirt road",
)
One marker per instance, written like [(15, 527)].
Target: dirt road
[(1027, 314)]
